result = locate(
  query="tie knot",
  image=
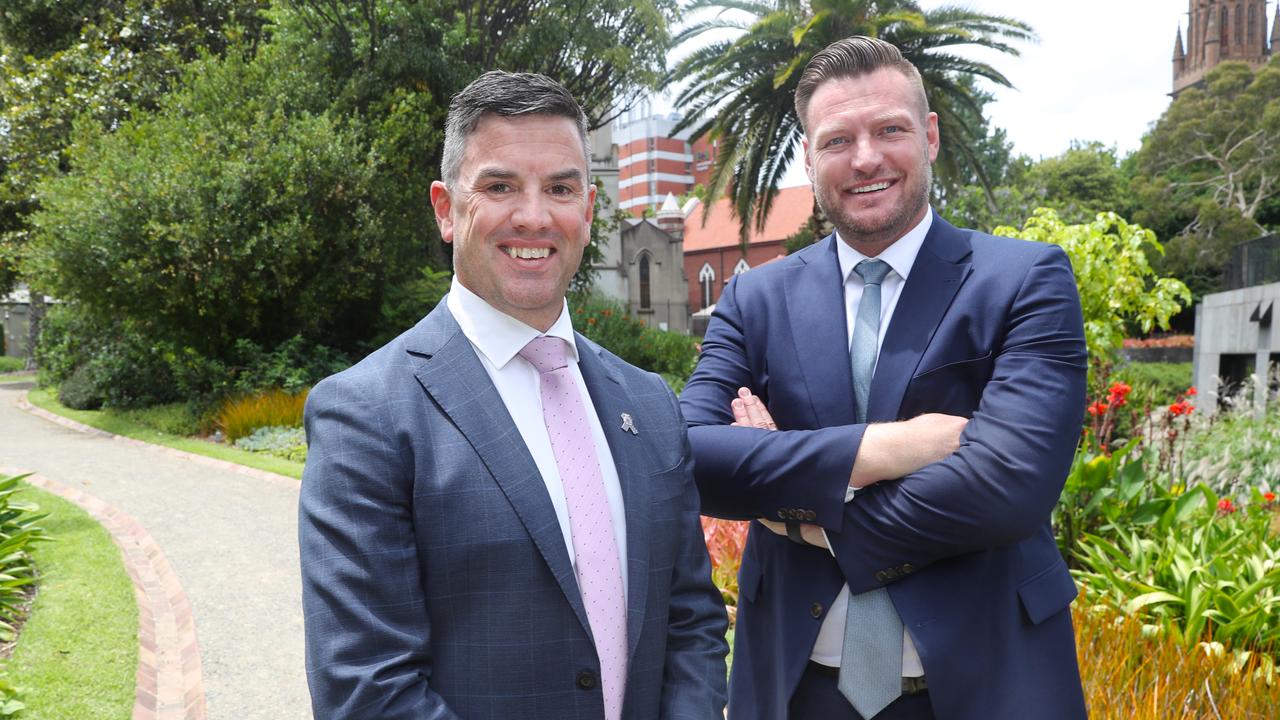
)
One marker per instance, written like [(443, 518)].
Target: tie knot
[(546, 353), (872, 272)]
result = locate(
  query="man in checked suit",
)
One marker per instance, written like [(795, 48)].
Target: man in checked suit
[(899, 404), (498, 517)]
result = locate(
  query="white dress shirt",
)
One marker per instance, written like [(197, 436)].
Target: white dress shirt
[(900, 256), (497, 339)]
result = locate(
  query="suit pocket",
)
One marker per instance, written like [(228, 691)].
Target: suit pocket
[(972, 369), (1047, 593)]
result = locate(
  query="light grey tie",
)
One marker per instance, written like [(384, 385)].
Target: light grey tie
[(871, 659)]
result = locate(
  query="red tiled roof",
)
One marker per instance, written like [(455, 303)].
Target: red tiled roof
[(791, 209)]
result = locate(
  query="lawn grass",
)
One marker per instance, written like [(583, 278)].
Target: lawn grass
[(78, 653), (122, 424), (18, 377)]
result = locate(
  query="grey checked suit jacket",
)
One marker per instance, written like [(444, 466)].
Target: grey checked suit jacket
[(436, 583)]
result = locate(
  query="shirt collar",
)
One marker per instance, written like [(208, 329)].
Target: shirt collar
[(901, 255), (497, 335)]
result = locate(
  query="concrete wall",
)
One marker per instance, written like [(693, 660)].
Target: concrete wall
[(1234, 330), (14, 317)]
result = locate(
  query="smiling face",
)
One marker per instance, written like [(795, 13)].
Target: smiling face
[(519, 215), (868, 152)]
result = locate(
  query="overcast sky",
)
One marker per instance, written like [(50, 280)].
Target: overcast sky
[(1101, 71)]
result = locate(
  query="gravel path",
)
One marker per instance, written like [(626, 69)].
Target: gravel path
[(230, 539)]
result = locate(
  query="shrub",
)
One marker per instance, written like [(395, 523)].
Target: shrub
[(1129, 672), (173, 418), (605, 322), (289, 443), (117, 360), (12, 364), (1204, 570), (18, 531), (239, 417), (725, 541), (79, 392)]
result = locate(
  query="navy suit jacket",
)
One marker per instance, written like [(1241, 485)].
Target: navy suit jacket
[(436, 582), (986, 328)]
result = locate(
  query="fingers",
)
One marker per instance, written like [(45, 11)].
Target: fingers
[(750, 412)]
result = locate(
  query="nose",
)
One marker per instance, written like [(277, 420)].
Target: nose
[(531, 212), (866, 156)]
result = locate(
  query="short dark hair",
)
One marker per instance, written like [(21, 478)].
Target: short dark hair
[(505, 94), (853, 57)]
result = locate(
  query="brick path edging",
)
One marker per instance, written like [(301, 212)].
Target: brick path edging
[(168, 679)]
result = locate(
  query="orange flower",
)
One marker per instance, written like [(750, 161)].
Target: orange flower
[(1226, 507), (1098, 408), (1191, 391)]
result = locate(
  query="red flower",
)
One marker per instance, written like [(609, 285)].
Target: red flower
[(591, 321), (1226, 507), (1117, 393), (1182, 407), (1191, 391), (1098, 408), (606, 312), (1269, 497)]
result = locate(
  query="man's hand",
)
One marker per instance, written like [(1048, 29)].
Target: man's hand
[(892, 450), (749, 411)]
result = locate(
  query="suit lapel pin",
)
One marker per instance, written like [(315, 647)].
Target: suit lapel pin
[(629, 425)]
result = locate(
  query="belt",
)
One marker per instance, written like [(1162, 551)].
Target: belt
[(910, 685)]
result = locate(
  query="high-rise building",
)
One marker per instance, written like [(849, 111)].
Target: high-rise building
[(1220, 30), (654, 160)]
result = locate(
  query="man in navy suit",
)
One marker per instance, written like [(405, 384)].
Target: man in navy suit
[(836, 421), (498, 517)]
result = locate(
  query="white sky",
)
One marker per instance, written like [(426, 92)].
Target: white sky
[(1101, 71)]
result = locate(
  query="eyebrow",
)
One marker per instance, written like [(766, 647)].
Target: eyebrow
[(495, 173)]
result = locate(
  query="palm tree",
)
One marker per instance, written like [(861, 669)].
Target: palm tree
[(740, 91)]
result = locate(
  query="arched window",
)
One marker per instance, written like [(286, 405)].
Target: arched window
[(741, 267), (646, 301), (706, 278), (1239, 46), (1253, 25), (1224, 28)]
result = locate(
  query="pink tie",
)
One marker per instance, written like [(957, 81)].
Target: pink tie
[(590, 522)]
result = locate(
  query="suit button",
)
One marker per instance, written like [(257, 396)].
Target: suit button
[(810, 515), (815, 610), (908, 569), (882, 576), (782, 513), (587, 680)]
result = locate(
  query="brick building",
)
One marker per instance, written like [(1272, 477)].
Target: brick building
[(1220, 30), (654, 160), (713, 255)]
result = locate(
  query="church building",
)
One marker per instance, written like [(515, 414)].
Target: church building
[(1221, 30)]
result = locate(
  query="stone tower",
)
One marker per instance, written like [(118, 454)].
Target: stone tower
[(1219, 30)]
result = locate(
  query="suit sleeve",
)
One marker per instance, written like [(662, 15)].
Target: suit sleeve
[(747, 473), (694, 682), (1002, 483), (367, 630)]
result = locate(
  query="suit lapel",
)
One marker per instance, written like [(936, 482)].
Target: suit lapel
[(815, 306), (611, 400), (940, 269), (453, 376)]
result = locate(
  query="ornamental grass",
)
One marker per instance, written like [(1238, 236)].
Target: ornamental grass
[(1132, 675), (240, 416)]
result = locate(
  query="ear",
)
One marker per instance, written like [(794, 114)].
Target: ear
[(590, 214), (442, 202), (808, 161), (931, 136)]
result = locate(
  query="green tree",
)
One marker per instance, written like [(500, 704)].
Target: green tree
[(1114, 275), (1079, 183), (741, 91), (1208, 174)]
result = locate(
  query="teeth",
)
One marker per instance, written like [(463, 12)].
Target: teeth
[(871, 188), (528, 253)]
